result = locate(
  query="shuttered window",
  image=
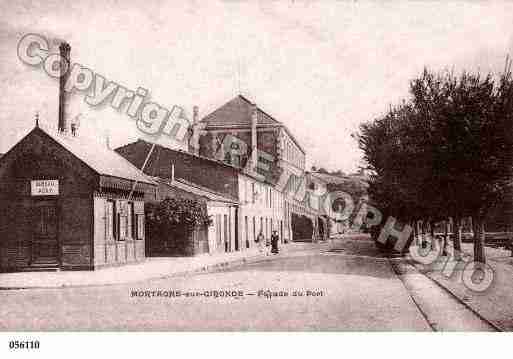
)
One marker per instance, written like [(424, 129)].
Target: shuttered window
[(130, 230), (110, 223), (140, 226), (122, 227)]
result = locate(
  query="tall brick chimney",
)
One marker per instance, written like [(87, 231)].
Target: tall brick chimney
[(195, 115), (64, 50), (196, 128)]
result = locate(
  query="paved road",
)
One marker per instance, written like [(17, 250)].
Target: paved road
[(350, 287)]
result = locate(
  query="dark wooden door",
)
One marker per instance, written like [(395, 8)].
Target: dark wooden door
[(45, 246)]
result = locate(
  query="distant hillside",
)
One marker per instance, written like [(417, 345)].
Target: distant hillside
[(354, 184)]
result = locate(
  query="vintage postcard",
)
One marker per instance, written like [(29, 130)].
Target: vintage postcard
[(255, 166)]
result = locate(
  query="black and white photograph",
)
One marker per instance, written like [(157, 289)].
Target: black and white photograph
[(310, 168)]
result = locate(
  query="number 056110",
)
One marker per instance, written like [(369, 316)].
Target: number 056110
[(23, 344)]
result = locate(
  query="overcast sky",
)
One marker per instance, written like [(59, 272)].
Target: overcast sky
[(322, 68)]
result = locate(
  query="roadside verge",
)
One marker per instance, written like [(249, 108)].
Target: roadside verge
[(493, 304)]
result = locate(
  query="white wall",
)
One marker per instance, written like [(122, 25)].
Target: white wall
[(265, 205), (218, 211)]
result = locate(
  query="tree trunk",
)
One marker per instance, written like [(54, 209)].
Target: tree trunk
[(510, 241), (457, 238), (479, 239), (446, 237), (417, 230), (417, 233), (423, 234), (434, 242)]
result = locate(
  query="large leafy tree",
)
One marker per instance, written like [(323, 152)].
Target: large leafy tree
[(447, 152)]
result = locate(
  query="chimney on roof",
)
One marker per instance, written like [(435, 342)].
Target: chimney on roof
[(107, 141), (254, 149), (64, 50), (195, 130), (195, 111)]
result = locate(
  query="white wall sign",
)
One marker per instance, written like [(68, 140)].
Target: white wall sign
[(44, 188)]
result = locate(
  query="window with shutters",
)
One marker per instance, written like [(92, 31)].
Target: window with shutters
[(130, 230), (122, 218), (110, 223), (140, 226)]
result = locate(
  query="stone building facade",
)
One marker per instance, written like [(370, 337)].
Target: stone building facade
[(259, 205), (244, 136)]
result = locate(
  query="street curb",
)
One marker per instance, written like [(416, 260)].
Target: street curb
[(452, 294), (204, 269), (226, 264), (395, 268)]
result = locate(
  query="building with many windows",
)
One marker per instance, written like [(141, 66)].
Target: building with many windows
[(257, 206), (242, 135), (261, 209)]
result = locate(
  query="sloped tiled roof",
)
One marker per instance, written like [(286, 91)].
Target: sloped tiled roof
[(237, 112), (196, 190), (98, 157)]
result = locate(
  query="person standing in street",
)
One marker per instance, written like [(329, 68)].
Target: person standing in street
[(274, 242), (261, 242)]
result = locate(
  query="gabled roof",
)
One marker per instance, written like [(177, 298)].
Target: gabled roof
[(237, 112), (98, 157), (184, 154), (178, 151)]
